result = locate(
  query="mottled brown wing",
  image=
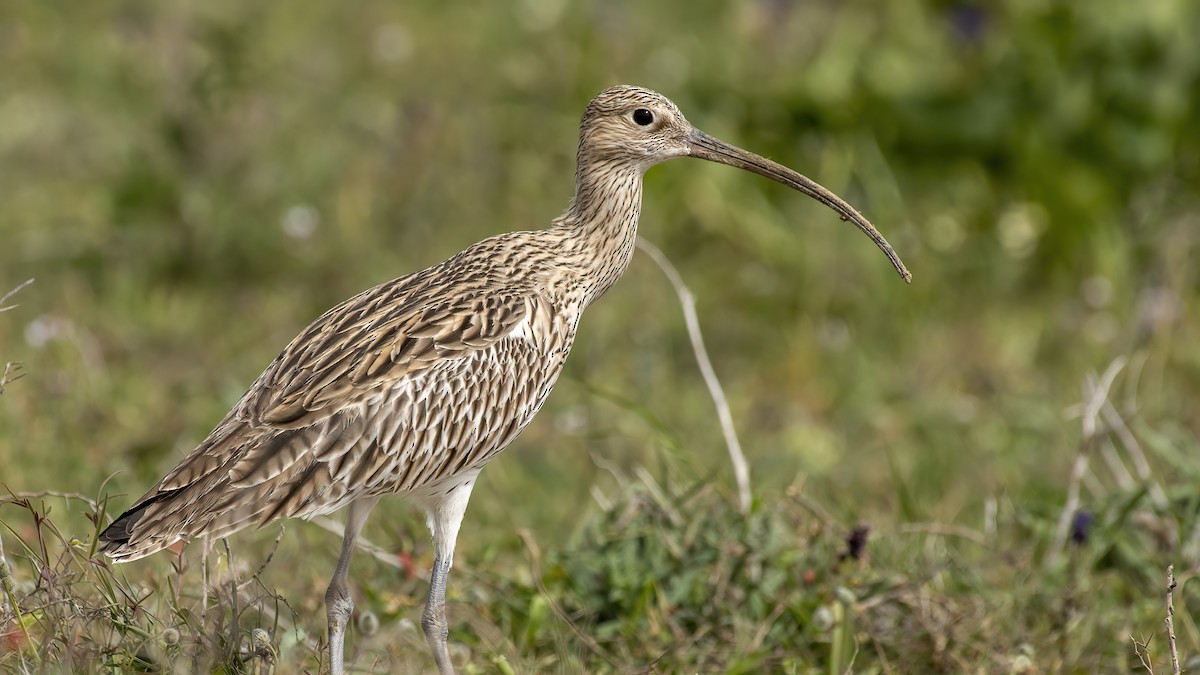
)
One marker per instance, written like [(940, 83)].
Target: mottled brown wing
[(351, 353), (437, 423), (374, 339)]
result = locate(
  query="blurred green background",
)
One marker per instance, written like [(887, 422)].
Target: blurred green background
[(192, 183)]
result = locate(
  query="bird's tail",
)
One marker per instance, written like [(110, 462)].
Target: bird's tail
[(214, 506), (161, 519), (119, 541)]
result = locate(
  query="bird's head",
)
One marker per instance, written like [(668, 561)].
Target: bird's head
[(638, 128), (632, 125)]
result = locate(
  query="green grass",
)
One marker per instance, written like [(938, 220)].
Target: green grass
[(192, 184)]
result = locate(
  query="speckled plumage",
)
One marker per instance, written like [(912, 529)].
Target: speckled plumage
[(400, 388), (411, 387)]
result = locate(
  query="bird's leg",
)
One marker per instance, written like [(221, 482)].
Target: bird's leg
[(445, 516), (433, 621), (338, 603)]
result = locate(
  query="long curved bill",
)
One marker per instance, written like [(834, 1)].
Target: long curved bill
[(703, 146)]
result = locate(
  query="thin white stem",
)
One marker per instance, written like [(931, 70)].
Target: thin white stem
[(945, 530), (1116, 465), (741, 470), (1095, 393), (5, 308), (41, 494), (12, 373), (1140, 465), (362, 543)]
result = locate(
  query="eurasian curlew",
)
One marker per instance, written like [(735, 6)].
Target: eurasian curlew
[(413, 386)]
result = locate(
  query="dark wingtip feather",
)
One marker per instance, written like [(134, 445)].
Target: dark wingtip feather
[(116, 538)]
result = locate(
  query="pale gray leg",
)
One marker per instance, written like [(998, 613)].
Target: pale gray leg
[(338, 603), (433, 621), (445, 514)]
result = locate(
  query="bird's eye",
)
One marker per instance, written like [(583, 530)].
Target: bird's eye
[(642, 117)]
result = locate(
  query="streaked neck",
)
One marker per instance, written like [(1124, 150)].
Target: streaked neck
[(601, 223)]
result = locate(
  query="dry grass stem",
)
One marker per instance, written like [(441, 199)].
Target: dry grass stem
[(374, 550), (1095, 394), (12, 373), (1171, 619), (20, 498), (1116, 465), (687, 301), (945, 530), (1142, 650), (1140, 464), (4, 307)]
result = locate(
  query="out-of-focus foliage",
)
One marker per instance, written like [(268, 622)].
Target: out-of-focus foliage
[(191, 183)]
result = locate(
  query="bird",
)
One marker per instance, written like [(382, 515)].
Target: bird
[(410, 388)]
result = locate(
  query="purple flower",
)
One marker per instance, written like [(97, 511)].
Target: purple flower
[(1080, 525), (968, 21)]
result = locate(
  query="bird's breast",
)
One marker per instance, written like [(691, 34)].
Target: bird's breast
[(455, 417)]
